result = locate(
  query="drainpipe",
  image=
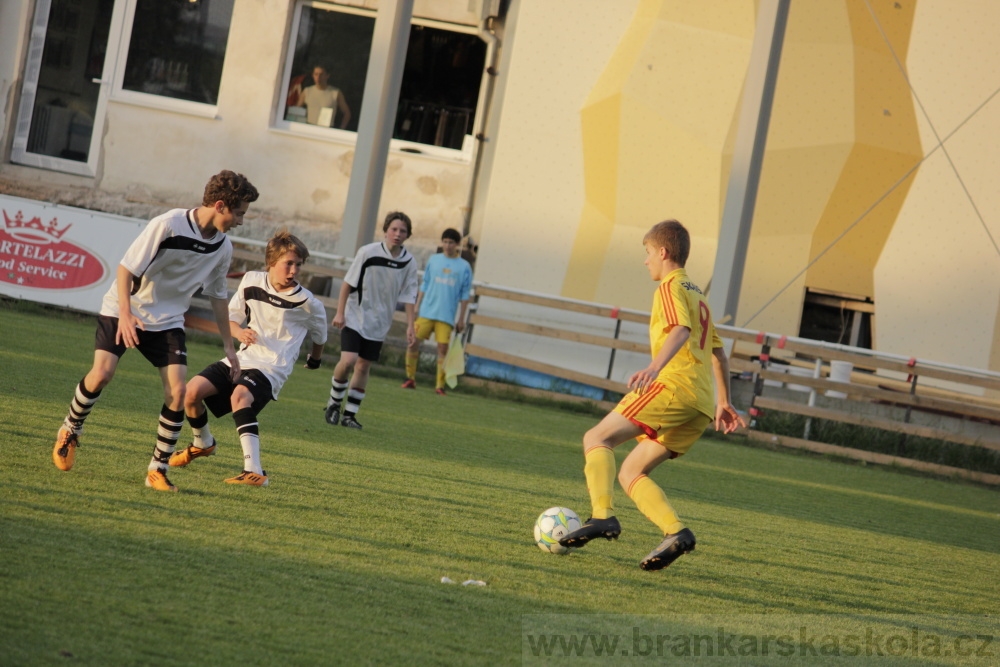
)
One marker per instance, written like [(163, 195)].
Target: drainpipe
[(487, 32)]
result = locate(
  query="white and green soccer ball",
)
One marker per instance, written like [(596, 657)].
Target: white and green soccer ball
[(552, 524)]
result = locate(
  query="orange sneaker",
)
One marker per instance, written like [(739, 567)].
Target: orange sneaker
[(190, 453), (440, 391), (64, 452), (249, 478), (157, 479), (410, 384)]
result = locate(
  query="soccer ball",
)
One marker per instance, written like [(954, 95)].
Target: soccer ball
[(552, 524)]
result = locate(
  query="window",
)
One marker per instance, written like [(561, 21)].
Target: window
[(328, 63), (177, 48), (837, 318)]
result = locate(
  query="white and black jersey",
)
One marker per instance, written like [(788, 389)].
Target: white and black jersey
[(378, 282), (171, 261), (282, 320)]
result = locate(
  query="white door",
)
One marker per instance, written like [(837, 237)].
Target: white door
[(66, 84)]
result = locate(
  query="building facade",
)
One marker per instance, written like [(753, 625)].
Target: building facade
[(557, 132)]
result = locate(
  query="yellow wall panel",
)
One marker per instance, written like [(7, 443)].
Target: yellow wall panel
[(599, 123), (675, 114)]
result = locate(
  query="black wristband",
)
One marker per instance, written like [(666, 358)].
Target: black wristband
[(312, 363)]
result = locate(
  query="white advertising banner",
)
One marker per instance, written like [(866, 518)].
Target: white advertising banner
[(61, 255)]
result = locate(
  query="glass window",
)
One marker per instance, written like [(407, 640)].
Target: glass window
[(177, 48), (329, 62), (437, 101), (328, 69)]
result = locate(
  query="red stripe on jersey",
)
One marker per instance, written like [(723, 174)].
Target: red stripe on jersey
[(669, 308)]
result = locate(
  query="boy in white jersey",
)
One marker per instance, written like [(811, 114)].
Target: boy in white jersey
[(668, 408), (177, 254), (382, 274), (270, 314), (446, 286)]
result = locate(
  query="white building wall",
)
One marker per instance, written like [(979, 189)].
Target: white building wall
[(938, 279)]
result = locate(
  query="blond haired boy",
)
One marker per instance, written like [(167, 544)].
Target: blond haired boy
[(271, 314), (669, 407)]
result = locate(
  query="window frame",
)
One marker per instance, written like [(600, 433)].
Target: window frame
[(349, 137), (161, 102)]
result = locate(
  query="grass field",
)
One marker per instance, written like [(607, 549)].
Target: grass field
[(339, 560)]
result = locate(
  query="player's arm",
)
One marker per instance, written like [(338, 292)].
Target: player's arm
[(246, 336), (466, 289), (315, 356), (676, 339), (727, 419), (220, 307), (338, 319), (411, 332), (463, 307), (127, 321), (317, 329)]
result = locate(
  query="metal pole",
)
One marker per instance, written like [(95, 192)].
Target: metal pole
[(611, 362), (378, 114), (748, 154)]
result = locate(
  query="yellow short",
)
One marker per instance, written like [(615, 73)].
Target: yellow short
[(424, 327), (673, 424)]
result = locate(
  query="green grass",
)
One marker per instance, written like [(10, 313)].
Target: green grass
[(339, 560)]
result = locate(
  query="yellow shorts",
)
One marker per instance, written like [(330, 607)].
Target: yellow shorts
[(424, 327), (675, 425)]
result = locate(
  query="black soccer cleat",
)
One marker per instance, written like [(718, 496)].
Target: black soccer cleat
[(592, 528), (350, 422), (671, 548), (333, 415)]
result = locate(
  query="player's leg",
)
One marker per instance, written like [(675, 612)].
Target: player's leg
[(350, 346), (251, 394), (213, 382), (368, 354), (422, 328), (356, 393), (88, 390), (650, 498), (442, 333), (599, 470), (167, 351), (169, 428)]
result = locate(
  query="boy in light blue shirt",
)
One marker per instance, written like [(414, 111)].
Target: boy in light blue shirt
[(445, 290)]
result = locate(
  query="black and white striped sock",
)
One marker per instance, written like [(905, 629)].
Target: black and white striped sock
[(81, 405), (337, 390), (171, 422), (354, 398)]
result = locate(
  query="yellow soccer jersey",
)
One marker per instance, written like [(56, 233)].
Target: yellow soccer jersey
[(679, 302)]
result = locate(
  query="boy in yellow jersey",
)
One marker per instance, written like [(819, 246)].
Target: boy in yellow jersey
[(669, 407)]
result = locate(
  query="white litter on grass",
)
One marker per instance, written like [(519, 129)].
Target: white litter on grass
[(467, 582)]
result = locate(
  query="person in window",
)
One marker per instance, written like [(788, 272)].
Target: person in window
[(322, 95)]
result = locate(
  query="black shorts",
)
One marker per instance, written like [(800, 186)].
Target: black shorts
[(351, 341), (220, 375), (161, 348)]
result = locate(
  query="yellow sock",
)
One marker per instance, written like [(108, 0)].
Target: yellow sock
[(440, 375), (652, 502), (411, 364), (600, 473)]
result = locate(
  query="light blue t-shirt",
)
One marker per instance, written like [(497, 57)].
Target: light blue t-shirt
[(447, 281)]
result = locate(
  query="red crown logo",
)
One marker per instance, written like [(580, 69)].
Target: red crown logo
[(34, 229)]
